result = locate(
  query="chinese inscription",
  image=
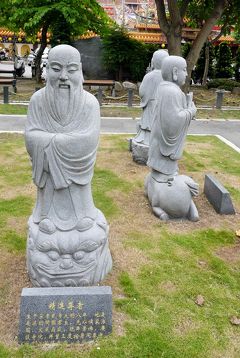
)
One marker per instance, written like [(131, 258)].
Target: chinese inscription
[(65, 318)]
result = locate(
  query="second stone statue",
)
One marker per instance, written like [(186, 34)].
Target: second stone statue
[(147, 92), (169, 193), (68, 236)]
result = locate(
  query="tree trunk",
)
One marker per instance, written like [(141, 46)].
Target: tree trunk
[(40, 53), (174, 42), (206, 68), (201, 39), (120, 73), (172, 28)]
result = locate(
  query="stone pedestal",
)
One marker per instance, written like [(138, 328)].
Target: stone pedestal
[(68, 258)]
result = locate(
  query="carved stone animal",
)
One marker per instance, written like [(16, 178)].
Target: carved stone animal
[(172, 198)]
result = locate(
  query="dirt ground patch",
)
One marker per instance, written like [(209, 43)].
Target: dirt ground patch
[(185, 326), (12, 192), (12, 267), (208, 219), (230, 254)]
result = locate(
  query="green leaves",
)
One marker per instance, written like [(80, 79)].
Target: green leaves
[(31, 15)]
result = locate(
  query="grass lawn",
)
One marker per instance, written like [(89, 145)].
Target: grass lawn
[(218, 114), (201, 113), (159, 268), (13, 109), (131, 112)]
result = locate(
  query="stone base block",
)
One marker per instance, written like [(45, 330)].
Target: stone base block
[(130, 144), (218, 196), (139, 152)]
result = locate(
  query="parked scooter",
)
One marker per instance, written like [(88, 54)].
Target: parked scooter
[(31, 57), (44, 60), (19, 66), (3, 55)]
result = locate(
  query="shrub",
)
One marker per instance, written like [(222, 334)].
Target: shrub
[(125, 57), (223, 83), (224, 61), (185, 49), (237, 65), (200, 66)]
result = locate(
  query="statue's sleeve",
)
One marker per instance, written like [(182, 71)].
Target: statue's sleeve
[(173, 122), (145, 90), (37, 139)]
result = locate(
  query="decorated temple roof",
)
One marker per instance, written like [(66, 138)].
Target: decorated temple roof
[(227, 38), (148, 37), (7, 35), (87, 35), (6, 32)]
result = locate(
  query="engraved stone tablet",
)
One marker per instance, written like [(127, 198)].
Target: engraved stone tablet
[(75, 315), (218, 196)]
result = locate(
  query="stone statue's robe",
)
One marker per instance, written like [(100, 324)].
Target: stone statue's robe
[(63, 158), (169, 129), (147, 92)]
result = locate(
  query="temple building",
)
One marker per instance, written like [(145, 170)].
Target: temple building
[(139, 17)]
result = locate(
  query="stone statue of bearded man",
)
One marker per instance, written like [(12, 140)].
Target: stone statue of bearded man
[(68, 243)]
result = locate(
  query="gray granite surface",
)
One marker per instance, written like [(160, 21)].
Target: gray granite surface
[(68, 236)]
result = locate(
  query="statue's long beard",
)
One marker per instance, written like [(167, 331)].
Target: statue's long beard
[(62, 101)]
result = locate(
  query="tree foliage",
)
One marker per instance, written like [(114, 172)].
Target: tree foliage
[(44, 15), (80, 15), (60, 36), (203, 14)]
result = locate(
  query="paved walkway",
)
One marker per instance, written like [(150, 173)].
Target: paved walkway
[(230, 130)]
